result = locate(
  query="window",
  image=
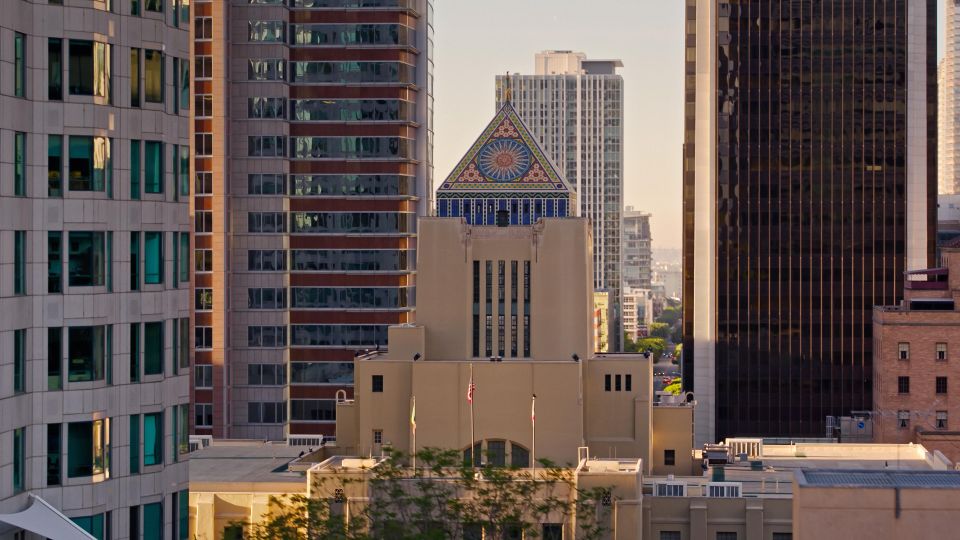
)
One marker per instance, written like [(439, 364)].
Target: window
[(266, 336), (19, 262), (616, 382), (183, 172), (321, 147), (782, 536), (91, 524), (87, 263), (134, 443), (670, 489), (265, 31), (552, 531), (86, 348), (203, 185), (134, 260), (266, 184), (55, 166), (941, 419), (134, 77), (203, 260), (153, 439), (266, 374), (153, 5), (54, 358), (203, 299), (266, 413), (266, 107), (378, 436), (202, 28), (266, 298), (203, 222), (903, 351), (519, 456), (203, 337), (153, 512), (903, 419), (153, 348), (19, 360), (89, 68), (941, 351), (669, 457), (153, 75), (54, 69), (87, 447), (134, 522), (181, 430), (203, 414), (726, 535), (202, 67), (153, 171), (377, 383), (266, 260), (90, 164), (497, 453), (19, 64), (269, 146), (339, 373), (181, 508), (19, 164), (266, 70), (607, 382), (903, 385), (203, 376), (134, 169), (182, 73), (628, 382), (184, 259), (670, 535), (315, 410), (203, 144), (181, 328), (153, 258), (203, 106), (725, 490), (54, 452), (941, 385), (135, 352), (19, 459)]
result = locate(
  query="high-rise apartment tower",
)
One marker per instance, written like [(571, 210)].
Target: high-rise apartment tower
[(95, 274), (314, 158), (809, 181), (575, 106), (949, 128), (637, 249)]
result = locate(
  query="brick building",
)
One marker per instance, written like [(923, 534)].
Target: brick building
[(917, 360)]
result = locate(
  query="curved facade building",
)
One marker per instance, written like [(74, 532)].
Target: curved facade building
[(94, 272)]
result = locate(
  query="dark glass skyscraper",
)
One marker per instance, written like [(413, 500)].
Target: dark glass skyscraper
[(809, 187)]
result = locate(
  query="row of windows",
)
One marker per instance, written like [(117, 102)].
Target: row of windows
[(612, 383), (348, 297), (903, 385), (336, 373), (940, 351), (939, 418), (487, 334), (326, 110), (275, 69), (328, 185), (319, 222)]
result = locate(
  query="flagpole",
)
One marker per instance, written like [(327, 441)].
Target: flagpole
[(533, 427), (473, 437), (413, 428)]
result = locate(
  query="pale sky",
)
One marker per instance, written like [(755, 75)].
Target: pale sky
[(478, 39)]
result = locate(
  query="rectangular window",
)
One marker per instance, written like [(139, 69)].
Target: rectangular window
[(203, 185), (669, 457), (266, 260), (153, 512), (183, 177), (266, 222), (54, 453), (941, 419), (203, 260), (203, 337), (89, 68), (181, 430), (266, 31), (266, 336), (19, 458), (135, 352), (607, 387), (203, 222), (266, 107), (202, 28), (153, 439), (203, 414), (378, 436), (182, 507), (19, 262), (526, 309), (54, 358), (552, 531), (153, 75), (55, 69), (616, 383), (628, 382), (19, 64), (266, 70), (183, 343), (134, 522), (903, 385), (87, 259), (134, 260), (134, 77), (86, 349), (266, 374), (203, 144), (19, 360), (267, 298), (153, 171), (941, 351), (153, 348), (153, 5), (377, 383), (726, 536), (54, 262), (134, 443), (778, 536), (267, 146), (55, 166), (153, 258), (903, 419), (941, 385), (203, 106), (86, 448), (92, 524), (313, 410), (134, 169), (183, 79), (19, 164), (203, 376), (202, 67), (89, 163), (266, 184), (203, 299), (903, 351), (267, 412)]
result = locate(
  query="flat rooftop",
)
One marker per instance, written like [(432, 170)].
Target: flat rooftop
[(245, 467), (879, 479)]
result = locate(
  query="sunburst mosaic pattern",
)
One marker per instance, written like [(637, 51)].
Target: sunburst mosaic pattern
[(503, 160)]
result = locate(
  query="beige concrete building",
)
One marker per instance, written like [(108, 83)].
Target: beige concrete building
[(915, 364)]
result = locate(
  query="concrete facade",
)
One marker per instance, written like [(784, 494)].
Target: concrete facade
[(95, 334)]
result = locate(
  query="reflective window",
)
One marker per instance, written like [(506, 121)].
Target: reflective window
[(54, 166), (266, 31), (351, 34), (330, 297), (153, 257), (92, 525), (266, 336), (266, 146), (340, 3), (271, 412), (134, 77), (152, 450), (134, 169), (266, 184), (90, 163), (203, 222), (345, 335), (203, 337), (350, 110), (351, 72), (203, 106), (153, 75), (266, 69), (350, 147), (86, 348), (203, 28), (340, 373), (266, 222), (54, 69), (203, 299), (202, 67), (326, 222), (203, 414), (19, 64), (87, 263), (327, 260), (266, 260), (203, 184), (351, 184), (19, 164), (267, 298), (313, 410), (54, 262), (87, 450), (153, 167), (19, 262), (153, 348), (266, 107), (203, 376), (266, 374), (203, 260)]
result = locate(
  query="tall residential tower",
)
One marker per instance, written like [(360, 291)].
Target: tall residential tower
[(637, 249), (575, 107), (810, 166), (949, 89), (314, 158), (95, 276)]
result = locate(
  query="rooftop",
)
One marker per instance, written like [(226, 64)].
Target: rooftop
[(243, 464), (879, 479)]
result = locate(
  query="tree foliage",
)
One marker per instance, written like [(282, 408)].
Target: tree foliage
[(441, 498), (660, 330)]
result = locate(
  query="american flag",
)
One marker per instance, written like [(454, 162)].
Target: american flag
[(471, 388)]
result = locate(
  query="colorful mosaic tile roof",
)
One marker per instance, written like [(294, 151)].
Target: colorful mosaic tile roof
[(506, 157)]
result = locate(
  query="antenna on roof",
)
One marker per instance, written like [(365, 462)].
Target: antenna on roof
[(508, 91)]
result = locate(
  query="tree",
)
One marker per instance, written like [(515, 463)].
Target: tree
[(660, 330), (629, 345), (656, 346), (443, 497), (670, 315)]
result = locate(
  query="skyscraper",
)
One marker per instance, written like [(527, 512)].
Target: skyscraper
[(637, 252), (809, 187), (314, 158), (95, 281), (949, 127), (575, 107)]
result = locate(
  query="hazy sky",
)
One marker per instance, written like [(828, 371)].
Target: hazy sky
[(478, 39)]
